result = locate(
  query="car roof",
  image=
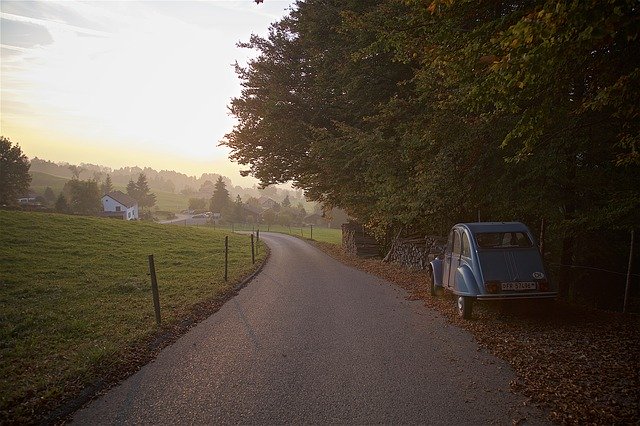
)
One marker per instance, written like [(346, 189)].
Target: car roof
[(478, 227)]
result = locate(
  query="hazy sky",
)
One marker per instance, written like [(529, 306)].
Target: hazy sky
[(126, 83)]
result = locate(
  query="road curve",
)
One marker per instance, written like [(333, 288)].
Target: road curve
[(311, 340)]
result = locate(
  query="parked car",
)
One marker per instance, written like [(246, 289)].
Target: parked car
[(199, 216), (490, 261)]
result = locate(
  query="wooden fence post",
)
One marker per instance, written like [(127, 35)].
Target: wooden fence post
[(625, 306), (253, 254), (226, 257), (154, 289), (312, 232)]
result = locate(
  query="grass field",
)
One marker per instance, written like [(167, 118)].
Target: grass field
[(74, 294), (325, 235)]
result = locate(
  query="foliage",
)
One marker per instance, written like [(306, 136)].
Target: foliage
[(76, 297), (414, 115), (220, 200), (82, 197), (107, 186), (62, 205), (197, 204), (14, 172), (140, 192), (49, 196)]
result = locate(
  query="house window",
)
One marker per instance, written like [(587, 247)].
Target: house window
[(117, 208)]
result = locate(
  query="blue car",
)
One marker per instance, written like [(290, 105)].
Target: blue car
[(490, 261)]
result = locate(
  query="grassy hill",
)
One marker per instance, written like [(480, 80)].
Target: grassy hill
[(40, 181), (75, 297), (166, 201)]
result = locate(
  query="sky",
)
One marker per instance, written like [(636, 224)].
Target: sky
[(127, 83)]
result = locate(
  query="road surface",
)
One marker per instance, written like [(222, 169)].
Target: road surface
[(311, 340)]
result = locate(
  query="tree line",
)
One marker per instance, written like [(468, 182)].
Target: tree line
[(414, 115)]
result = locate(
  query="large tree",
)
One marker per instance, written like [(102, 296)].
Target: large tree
[(415, 115), (14, 172), (220, 200), (81, 196), (140, 192), (146, 198), (107, 185)]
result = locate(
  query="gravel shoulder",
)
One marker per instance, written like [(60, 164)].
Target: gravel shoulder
[(581, 366)]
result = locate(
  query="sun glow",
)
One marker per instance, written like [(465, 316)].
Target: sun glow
[(144, 83)]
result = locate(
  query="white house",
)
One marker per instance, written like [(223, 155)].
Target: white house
[(120, 205)]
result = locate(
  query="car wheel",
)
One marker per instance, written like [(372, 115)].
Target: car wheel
[(465, 306)]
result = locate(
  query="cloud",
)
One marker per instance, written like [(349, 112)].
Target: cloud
[(52, 25)]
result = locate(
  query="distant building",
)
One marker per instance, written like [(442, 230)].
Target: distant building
[(267, 203), (119, 205)]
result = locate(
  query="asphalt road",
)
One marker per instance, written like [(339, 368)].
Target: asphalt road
[(310, 340)]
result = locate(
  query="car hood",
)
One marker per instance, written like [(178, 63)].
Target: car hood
[(511, 265)]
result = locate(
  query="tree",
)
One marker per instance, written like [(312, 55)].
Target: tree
[(286, 202), (75, 171), (145, 199), (132, 190), (49, 196), (82, 196), (107, 185), (416, 115), (14, 172), (197, 204), (238, 212), (220, 199), (62, 206)]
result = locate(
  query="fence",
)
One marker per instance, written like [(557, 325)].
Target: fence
[(254, 244)]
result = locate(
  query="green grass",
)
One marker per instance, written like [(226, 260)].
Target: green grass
[(40, 181), (74, 293), (326, 235)]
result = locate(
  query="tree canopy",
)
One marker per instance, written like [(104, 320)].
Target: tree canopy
[(220, 200), (14, 172), (416, 115), (140, 192)]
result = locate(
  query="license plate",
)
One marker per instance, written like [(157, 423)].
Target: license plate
[(519, 285)]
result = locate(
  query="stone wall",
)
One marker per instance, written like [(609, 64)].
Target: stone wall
[(416, 252)]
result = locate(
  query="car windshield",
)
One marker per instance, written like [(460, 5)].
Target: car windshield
[(497, 240)]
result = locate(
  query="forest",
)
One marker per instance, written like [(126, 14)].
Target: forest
[(414, 115)]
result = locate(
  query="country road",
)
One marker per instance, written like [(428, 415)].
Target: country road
[(311, 340)]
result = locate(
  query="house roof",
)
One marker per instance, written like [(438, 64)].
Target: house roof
[(122, 198)]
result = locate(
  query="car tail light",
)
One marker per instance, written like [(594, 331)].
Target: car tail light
[(492, 286), (543, 285)]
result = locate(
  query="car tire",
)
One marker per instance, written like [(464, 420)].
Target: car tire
[(465, 306)]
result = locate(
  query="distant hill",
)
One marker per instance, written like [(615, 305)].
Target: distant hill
[(48, 173), (40, 181)]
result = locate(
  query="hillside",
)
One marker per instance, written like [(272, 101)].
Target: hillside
[(166, 201), (75, 297), (161, 182)]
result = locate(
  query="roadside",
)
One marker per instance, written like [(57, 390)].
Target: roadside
[(582, 365)]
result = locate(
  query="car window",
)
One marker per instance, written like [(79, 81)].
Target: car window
[(450, 242), (466, 246), (456, 243), (503, 239)]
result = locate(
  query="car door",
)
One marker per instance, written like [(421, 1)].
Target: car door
[(454, 259), (447, 259)]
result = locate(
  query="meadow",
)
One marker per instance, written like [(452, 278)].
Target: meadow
[(324, 235), (75, 294)]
